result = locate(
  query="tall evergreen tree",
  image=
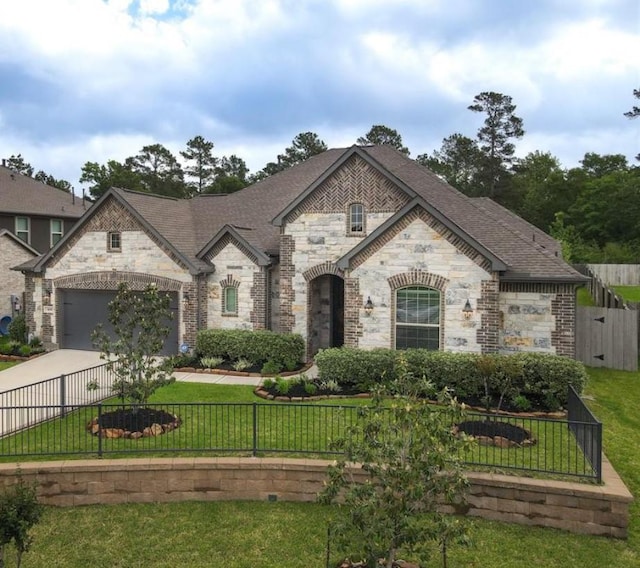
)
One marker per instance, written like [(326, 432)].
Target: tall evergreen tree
[(159, 171), (19, 165), (383, 136), (102, 177), (501, 126), (201, 167)]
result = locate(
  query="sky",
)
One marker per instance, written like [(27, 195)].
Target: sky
[(94, 80)]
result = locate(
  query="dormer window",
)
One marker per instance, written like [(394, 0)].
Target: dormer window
[(356, 219)]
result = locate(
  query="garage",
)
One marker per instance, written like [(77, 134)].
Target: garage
[(83, 310)]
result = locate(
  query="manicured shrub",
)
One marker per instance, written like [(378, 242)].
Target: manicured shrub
[(285, 350), (523, 379), (24, 350), (271, 367), (18, 329)]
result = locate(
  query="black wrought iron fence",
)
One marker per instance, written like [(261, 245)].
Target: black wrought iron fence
[(552, 447), (32, 404), (586, 429)]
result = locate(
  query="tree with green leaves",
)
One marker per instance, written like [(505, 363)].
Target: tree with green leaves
[(457, 161), (102, 177), (231, 175), (159, 171), (48, 179), (303, 146), (501, 127), (411, 464), (20, 165), (201, 165), (20, 511), (634, 112), (140, 321), (382, 135)]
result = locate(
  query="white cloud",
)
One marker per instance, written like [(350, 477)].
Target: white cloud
[(153, 7)]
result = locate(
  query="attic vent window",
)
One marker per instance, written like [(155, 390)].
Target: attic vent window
[(114, 242)]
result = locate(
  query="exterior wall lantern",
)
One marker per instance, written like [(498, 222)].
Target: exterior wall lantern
[(467, 311), (48, 290), (368, 307), (185, 300)]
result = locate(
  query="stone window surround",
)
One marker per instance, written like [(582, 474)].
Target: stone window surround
[(21, 232), (114, 237)]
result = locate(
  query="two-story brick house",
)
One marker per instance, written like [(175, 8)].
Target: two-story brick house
[(359, 246), (33, 218)]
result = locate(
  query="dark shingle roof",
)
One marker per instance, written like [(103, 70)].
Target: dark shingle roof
[(26, 196), (188, 225)]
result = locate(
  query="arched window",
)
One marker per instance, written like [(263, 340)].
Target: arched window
[(230, 300), (356, 218), (417, 318)]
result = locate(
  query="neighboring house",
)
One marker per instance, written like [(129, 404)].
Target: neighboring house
[(360, 247), (33, 218)]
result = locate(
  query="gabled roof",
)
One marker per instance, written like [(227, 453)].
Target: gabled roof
[(22, 195), (154, 213), (517, 223), (8, 234), (252, 215), (496, 263), (241, 235)]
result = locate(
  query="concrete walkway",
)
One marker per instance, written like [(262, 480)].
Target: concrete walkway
[(66, 361)]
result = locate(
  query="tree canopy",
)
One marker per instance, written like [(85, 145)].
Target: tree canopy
[(382, 135)]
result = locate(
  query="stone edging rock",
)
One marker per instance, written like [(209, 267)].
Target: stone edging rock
[(233, 373)]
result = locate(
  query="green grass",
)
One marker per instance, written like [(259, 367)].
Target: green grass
[(6, 364), (270, 535), (228, 428), (629, 293), (584, 298)]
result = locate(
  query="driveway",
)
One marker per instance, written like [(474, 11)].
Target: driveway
[(48, 366)]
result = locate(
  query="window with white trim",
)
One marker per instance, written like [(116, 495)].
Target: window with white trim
[(23, 229), (417, 318), (230, 301), (114, 242), (356, 218), (57, 230)]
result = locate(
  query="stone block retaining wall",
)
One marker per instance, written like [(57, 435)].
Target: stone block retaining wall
[(575, 507)]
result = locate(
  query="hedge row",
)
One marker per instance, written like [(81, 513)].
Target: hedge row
[(537, 378), (284, 350)]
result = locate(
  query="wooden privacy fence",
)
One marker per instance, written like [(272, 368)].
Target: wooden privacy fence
[(617, 274), (607, 337)]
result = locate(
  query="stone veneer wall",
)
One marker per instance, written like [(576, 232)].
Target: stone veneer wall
[(413, 247), (575, 507), (11, 281), (234, 264), (537, 317)]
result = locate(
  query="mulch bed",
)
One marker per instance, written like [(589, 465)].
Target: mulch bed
[(134, 424)]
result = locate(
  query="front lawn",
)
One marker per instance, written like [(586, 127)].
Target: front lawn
[(6, 364), (270, 535), (629, 293)]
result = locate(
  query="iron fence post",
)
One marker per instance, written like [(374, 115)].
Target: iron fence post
[(99, 430), (63, 395), (255, 430), (598, 456)]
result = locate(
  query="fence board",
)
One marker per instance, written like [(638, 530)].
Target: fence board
[(607, 337), (617, 274)]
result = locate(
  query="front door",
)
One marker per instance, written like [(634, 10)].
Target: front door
[(326, 322)]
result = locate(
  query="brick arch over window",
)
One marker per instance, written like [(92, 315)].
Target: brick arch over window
[(322, 269), (229, 282), (110, 280), (416, 278)]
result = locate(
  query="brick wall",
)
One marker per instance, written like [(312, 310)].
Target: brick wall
[(11, 281), (575, 507)]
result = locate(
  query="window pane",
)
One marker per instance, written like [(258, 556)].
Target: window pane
[(356, 214), (409, 336), (56, 226), (22, 224), (230, 300), (418, 305)]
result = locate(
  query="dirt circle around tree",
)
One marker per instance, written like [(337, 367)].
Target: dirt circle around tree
[(496, 433), (133, 424)]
